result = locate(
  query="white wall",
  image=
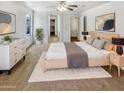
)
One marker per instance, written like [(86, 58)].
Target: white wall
[(41, 21), (81, 26), (74, 26), (20, 11), (67, 24), (112, 7), (66, 27)]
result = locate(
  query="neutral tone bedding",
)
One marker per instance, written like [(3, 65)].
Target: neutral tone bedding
[(56, 56), (56, 51), (93, 52), (76, 56)]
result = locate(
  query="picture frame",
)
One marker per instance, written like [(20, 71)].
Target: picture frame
[(105, 22), (7, 23)]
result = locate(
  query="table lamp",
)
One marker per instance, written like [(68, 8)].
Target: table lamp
[(119, 42), (85, 35)]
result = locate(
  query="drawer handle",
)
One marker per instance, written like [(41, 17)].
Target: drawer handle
[(23, 54), (15, 53), (16, 60), (15, 47), (23, 48), (23, 42)]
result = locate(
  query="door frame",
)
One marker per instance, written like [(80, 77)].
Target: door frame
[(57, 28)]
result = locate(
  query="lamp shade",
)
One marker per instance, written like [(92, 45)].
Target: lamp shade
[(84, 33), (118, 41)]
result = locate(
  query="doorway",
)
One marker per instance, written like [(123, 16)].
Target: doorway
[(52, 27), (74, 29), (53, 35)]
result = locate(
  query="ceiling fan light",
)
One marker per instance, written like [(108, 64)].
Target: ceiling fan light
[(61, 8)]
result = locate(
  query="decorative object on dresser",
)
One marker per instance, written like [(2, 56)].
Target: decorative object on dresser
[(7, 39), (11, 54), (119, 42), (85, 35), (117, 60)]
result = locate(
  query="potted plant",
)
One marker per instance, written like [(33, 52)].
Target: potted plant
[(39, 35), (7, 39)]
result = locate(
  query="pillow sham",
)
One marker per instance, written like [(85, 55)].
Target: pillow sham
[(90, 40), (99, 44), (108, 46)]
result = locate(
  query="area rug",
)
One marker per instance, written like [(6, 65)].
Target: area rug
[(65, 74)]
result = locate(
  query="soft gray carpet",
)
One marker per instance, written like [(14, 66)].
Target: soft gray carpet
[(65, 74)]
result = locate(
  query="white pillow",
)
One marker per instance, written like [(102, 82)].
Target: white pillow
[(90, 41), (99, 44)]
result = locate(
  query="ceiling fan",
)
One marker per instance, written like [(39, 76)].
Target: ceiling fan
[(62, 6)]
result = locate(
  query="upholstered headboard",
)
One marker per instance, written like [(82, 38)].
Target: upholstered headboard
[(107, 35)]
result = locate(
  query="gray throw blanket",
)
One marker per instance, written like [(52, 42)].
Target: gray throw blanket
[(76, 56)]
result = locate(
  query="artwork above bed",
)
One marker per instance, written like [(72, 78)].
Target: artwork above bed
[(105, 23)]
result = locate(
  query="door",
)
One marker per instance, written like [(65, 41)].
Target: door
[(74, 28)]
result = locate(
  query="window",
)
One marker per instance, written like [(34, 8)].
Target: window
[(28, 24)]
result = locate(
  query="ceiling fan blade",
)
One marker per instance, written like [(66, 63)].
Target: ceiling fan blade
[(70, 9), (72, 5)]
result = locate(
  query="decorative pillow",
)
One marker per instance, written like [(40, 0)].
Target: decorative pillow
[(90, 40), (99, 44), (108, 46)]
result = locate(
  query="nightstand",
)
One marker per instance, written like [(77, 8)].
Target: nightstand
[(117, 60)]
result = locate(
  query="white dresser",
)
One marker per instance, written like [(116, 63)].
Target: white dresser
[(11, 54)]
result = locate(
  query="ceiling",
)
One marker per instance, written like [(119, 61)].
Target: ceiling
[(52, 5)]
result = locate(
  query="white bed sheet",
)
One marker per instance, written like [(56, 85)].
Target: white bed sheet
[(92, 51), (57, 51)]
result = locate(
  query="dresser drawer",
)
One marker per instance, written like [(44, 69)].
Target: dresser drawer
[(14, 47), (22, 42), (15, 57), (22, 55), (13, 60), (17, 47), (12, 53)]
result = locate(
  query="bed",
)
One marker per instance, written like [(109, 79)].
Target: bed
[(56, 56)]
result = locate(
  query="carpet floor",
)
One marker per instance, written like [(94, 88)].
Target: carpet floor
[(38, 74), (21, 73)]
